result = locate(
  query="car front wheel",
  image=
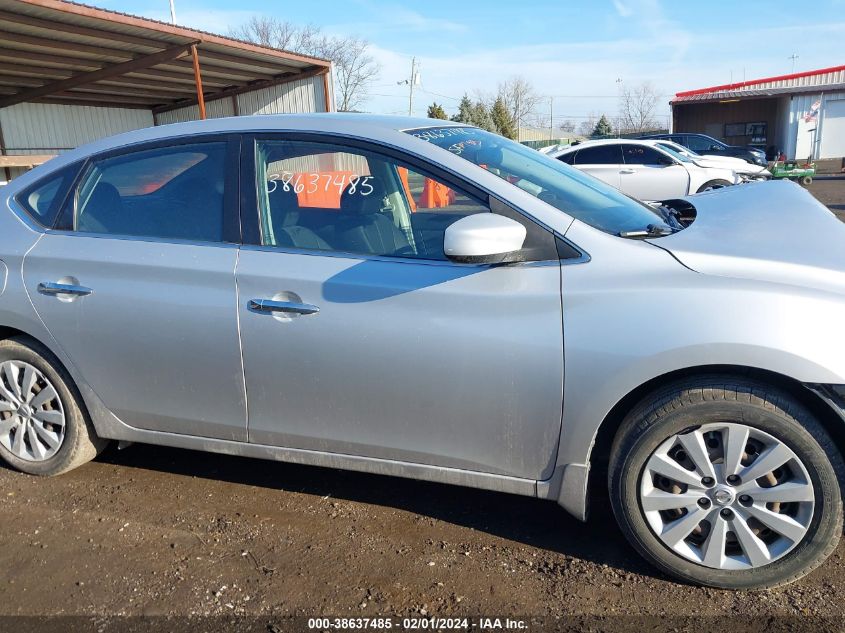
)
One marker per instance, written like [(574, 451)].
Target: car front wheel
[(712, 185), (727, 483)]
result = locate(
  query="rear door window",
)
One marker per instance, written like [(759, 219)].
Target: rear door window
[(599, 155), (174, 192), (641, 155)]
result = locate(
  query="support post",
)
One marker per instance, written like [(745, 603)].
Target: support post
[(198, 81), (327, 91), (6, 171)]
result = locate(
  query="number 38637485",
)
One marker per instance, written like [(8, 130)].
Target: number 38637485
[(320, 181)]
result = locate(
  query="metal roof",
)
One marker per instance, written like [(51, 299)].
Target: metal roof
[(63, 52), (824, 79)]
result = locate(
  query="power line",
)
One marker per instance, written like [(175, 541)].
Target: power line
[(437, 94)]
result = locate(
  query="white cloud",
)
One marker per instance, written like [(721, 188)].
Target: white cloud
[(212, 20), (591, 68), (622, 9), (377, 19)]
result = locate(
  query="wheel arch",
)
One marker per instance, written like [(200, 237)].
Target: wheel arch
[(606, 432), (87, 399), (7, 332)]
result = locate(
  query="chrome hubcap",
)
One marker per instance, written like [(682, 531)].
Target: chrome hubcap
[(723, 496), (32, 419), (727, 496)]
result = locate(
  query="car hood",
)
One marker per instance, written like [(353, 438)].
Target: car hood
[(729, 162), (771, 231)]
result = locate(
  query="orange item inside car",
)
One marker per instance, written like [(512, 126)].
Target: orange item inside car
[(325, 194), (435, 195)]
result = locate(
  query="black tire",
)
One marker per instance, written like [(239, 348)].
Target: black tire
[(807, 181), (693, 402), (80, 444), (710, 185)]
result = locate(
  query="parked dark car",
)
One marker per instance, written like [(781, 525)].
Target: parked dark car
[(707, 145)]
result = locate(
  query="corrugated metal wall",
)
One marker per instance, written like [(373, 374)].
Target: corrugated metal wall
[(305, 95), (38, 128), (213, 110), (47, 128), (801, 135), (836, 76), (711, 118)]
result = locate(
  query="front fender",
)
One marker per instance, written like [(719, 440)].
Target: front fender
[(634, 314)]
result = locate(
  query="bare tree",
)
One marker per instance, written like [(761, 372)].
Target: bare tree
[(270, 31), (567, 126), (520, 98), (355, 71), (637, 106), (586, 127), (355, 68)]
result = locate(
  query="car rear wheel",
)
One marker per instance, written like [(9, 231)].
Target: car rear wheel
[(44, 430), (712, 185), (727, 483)]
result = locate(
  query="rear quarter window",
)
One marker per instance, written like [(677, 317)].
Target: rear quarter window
[(43, 200)]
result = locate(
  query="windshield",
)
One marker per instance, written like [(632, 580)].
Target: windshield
[(715, 142), (552, 181), (680, 149), (674, 153)]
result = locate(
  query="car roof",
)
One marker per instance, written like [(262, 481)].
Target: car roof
[(371, 126), (313, 120), (608, 141)]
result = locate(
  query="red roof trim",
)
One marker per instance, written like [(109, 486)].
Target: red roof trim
[(743, 84)]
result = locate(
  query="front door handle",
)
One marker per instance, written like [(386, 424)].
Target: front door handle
[(52, 288), (627, 171), (290, 307)]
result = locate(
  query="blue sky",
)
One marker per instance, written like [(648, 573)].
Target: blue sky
[(571, 50)]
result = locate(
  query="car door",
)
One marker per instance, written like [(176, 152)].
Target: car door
[(651, 175), (704, 145), (361, 338), (601, 161), (137, 286)]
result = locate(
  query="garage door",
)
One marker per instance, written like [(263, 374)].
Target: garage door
[(833, 130)]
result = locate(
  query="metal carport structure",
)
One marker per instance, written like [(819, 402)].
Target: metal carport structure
[(63, 53)]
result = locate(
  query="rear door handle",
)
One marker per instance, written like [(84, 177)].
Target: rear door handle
[(268, 305), (51, 288), (627, 171)]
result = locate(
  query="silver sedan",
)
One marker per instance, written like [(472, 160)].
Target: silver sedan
[(425, 299)]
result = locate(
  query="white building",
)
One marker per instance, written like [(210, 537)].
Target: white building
[(801, 114)]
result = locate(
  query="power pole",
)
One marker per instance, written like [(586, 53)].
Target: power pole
[(793, 57), (411, 83), (551, 117), (172, 12), (413, 79)]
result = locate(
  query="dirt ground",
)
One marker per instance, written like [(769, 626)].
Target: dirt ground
[(163, 532), (830, 190)]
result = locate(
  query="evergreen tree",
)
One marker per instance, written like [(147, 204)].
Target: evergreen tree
[(481, 117), (465, 111), (603, 127), (502, 119), (436, 111)]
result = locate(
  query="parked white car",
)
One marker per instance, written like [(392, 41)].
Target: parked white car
[(644, 170), (745, 170)]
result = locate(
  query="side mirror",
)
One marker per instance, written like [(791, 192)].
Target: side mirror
[(484, 238), (665, 160)]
